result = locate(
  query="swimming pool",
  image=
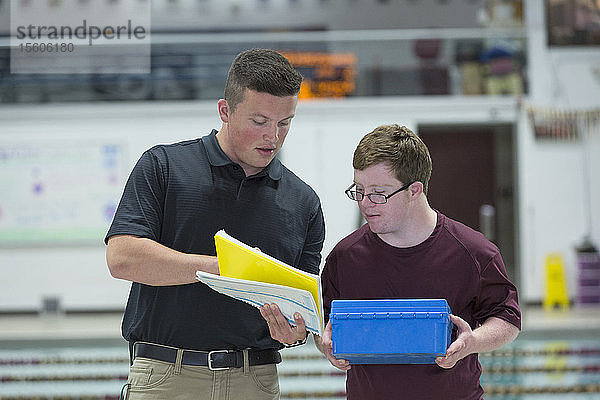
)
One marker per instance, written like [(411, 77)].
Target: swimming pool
[(540, 366)]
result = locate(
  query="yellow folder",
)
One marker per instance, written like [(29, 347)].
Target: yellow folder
[(238, 260)]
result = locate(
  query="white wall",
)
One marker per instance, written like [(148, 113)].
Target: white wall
[(78, 276), (319, 148), (551, 182)]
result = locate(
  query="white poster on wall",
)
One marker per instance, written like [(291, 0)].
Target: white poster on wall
[(58, 193)]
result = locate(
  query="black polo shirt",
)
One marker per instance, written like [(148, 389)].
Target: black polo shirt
[(180, 195)]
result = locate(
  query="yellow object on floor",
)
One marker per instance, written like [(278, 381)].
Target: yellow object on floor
[(556, 283)]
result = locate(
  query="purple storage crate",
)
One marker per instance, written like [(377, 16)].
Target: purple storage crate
[(588, 278)]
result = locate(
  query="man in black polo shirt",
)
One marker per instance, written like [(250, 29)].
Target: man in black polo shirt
[(186, 338)]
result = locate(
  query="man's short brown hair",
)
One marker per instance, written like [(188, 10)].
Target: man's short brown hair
[(399, 148), (261, 70)]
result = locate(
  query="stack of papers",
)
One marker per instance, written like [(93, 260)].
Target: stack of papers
[(249, 275)]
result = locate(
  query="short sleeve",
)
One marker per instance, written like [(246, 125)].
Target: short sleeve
[(140, 210), (497, 294)]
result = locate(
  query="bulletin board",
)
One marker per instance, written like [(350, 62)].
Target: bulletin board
[(58, 193)]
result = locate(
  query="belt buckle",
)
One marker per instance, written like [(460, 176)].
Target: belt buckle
[(210, 361)]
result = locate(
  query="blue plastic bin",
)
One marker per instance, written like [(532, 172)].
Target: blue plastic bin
[(391, 331)]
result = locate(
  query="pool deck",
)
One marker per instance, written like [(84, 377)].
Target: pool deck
[(577, 320)]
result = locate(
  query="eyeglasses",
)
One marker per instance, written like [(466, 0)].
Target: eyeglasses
[(377, 198)]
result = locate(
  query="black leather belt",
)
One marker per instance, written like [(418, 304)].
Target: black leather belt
[(214, 360)]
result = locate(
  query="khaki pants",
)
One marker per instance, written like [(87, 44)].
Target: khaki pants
[(153, 379)]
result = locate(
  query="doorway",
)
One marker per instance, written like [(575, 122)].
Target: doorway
[(473, 181)]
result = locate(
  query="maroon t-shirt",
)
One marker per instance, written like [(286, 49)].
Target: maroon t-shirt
[(455, 263)]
